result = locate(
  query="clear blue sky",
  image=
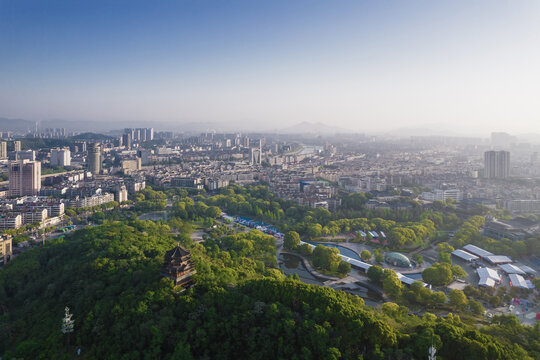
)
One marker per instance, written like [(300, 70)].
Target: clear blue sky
[(356, 64)]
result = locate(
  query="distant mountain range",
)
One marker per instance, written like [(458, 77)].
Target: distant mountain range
[(188, 127), (307, 127), (7, 124), (16, 124), (422, 131), (197, 127)]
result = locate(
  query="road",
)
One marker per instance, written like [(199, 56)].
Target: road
[(6, 183)]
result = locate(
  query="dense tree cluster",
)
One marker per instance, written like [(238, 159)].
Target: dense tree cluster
[(291, 240), (150, 200), (438, 274), (260, 203), (241, 306)]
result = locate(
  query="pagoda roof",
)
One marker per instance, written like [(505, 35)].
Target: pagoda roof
[(176, 252)]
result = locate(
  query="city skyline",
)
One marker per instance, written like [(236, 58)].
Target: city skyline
[(355, 65)]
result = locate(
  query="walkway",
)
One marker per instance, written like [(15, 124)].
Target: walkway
[(365, 266), (310, 268)]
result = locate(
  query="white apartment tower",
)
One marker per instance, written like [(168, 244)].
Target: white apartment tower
[(496, 164), (3, 150), (60, 157), (24, 178)]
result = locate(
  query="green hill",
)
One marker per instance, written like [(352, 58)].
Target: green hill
[(242, 307)]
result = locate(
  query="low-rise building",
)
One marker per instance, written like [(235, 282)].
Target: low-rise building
[(10, 221), (189, 183), (90, 201), (516, 229), (6, 248)]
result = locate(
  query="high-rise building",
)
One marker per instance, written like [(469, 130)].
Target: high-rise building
[(144, 155), (81, 145), (255, 154), (17, 146), (3, 150), (94, 158), (60, 157), (121, 194), (140, 134), (126, 140), (496, 164), (24, 177), (25, 155), (260, 151)]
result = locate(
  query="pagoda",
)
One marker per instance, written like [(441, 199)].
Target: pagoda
[(178, 267)]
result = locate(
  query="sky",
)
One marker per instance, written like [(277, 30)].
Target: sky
[(462, 66)]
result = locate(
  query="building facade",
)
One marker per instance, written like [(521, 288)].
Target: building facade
[(496, 164), (24, 178), (6, 248), (3, 150), (60, 157), (94, 158)]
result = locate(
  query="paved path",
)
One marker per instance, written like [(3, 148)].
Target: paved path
[(350, 282), (310, 268)]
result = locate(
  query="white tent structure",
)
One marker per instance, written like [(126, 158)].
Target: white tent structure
[(488, 277), (518, 281)]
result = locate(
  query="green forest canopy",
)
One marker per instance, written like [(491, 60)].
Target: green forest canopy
[(241, 307)]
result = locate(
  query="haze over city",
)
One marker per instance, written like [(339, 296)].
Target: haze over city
[(302, 180), (462, 67)]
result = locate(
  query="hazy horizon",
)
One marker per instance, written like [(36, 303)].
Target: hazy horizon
[(365, 66)]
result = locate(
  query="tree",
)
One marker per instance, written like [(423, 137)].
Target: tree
[(390, 308), (378, 256), (458, 272), (419, 259), (457, 299), (185, 240), (438, 274), (445, 258), (375, 274), (444, 247), (213, 212), (495, 301), (344, 267), (291, 240), (365, 255), (476, 307), (314, 230), (438, 298), (418, 293), (391, 283), (400, 236), (70, 212), (326, 258), (305, 250)]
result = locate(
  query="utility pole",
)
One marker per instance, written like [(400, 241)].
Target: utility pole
[(67, 326)]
